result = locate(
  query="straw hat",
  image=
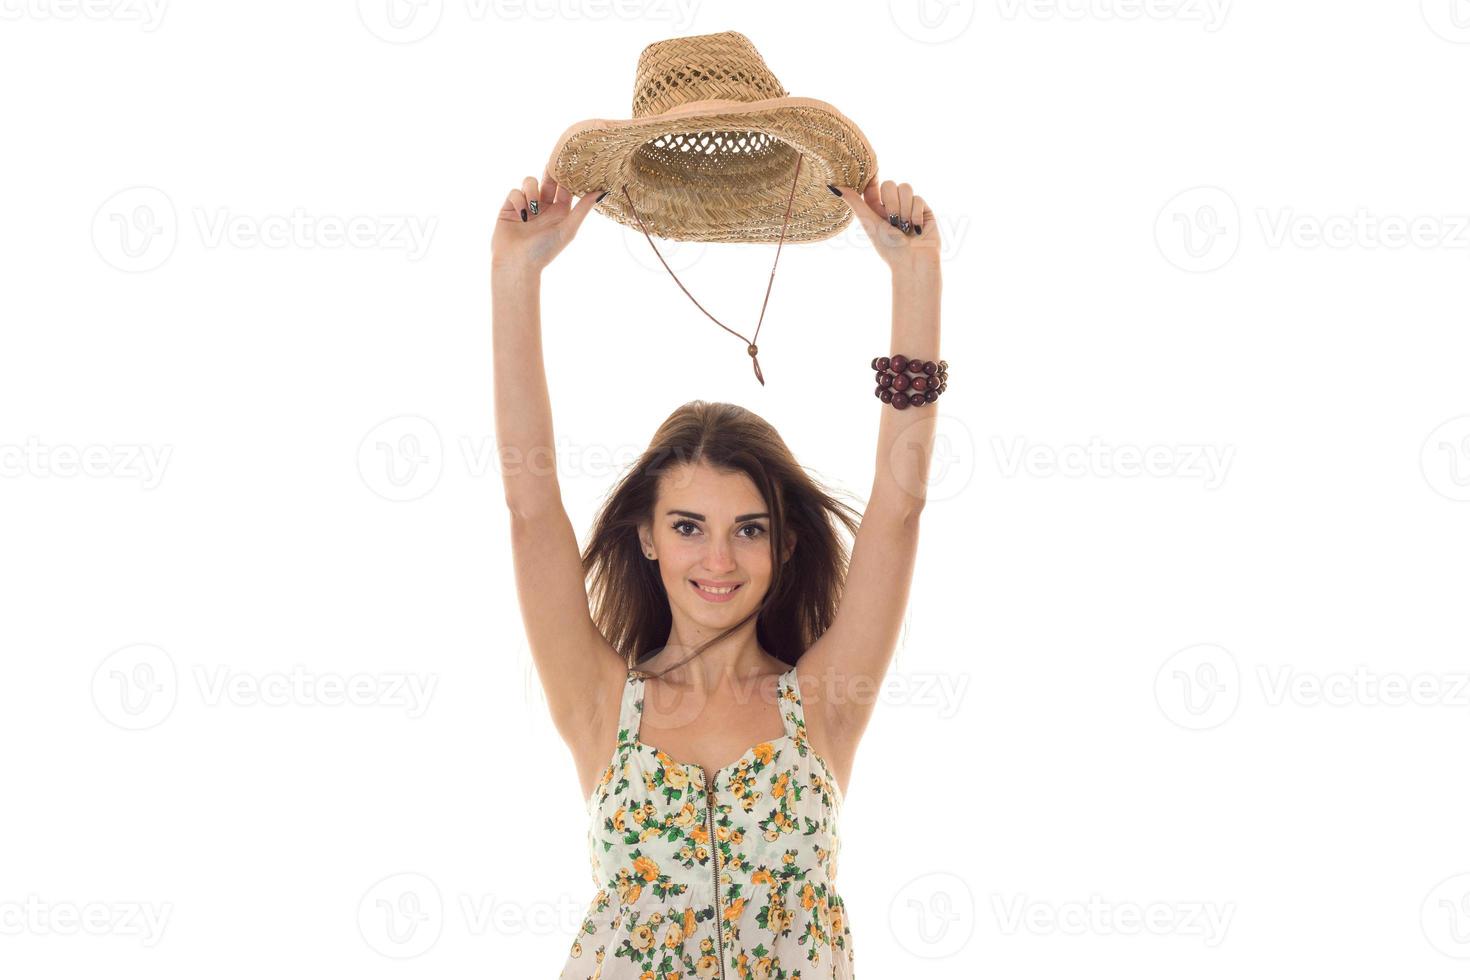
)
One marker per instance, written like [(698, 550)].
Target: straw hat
[(717, 151)]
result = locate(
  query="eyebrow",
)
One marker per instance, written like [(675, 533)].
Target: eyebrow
[(700, 517)]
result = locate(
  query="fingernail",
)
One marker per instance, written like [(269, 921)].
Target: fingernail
[(918, 229), (535, 207), (834, 190), (600, 197), (523, 214), (893, 220)]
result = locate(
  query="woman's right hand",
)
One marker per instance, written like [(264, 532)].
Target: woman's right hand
[(528, 240)]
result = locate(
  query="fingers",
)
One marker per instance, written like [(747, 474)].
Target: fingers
[(888, 193), (516, 200), (532, 193), (922, 216), (549, 188), (905, 208)]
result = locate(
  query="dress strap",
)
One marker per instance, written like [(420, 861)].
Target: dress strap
[(792, 716), (631, 711)]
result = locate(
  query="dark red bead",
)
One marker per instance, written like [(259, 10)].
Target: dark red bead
[(930, 367), (883, 364), (879, 377), (942, 387), (919, 382), (943, 365), (886, 394), (875, 364), (900, 402), (899, 363), (900, 382), (916, 398), (878, 392), (931, 395)]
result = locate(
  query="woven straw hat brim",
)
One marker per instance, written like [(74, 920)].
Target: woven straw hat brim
[(730, 188)]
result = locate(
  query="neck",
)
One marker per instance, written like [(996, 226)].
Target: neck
[(737, 657)]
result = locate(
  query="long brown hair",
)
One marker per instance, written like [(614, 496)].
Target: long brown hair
[(629, 603)]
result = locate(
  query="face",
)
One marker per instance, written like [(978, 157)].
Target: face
[(710, 529)]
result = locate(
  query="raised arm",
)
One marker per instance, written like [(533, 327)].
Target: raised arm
[(575, 663), (848, 662)]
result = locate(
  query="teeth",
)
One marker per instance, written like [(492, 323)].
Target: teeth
[(718, 591)]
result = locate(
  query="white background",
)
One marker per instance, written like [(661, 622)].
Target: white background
[(1184, 230)]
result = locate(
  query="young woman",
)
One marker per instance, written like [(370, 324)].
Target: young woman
[(713, 656)]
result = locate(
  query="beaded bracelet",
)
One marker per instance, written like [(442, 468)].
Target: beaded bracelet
[(903, 382)]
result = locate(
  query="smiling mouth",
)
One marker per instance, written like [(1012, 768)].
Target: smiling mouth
[(723, 595)]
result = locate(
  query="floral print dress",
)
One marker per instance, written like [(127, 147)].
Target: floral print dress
[(720, 875)]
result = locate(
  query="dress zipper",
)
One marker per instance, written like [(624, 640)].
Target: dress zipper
[(714, 860)]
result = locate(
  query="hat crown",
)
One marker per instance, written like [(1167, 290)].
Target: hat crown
[(681, 70)]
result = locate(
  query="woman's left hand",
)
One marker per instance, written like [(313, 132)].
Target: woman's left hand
[(899, 222)]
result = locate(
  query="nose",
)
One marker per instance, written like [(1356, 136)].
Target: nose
[(718, 557)]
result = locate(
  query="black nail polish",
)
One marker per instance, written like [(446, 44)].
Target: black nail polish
[(600, 197), (523, 214), (834, 190), (918, 229), (535, 207), (893, 220)]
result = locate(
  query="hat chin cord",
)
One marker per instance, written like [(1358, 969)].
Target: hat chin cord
[(751, 348)]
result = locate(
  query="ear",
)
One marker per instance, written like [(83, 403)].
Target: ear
[(645, 538), (789, 549)]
